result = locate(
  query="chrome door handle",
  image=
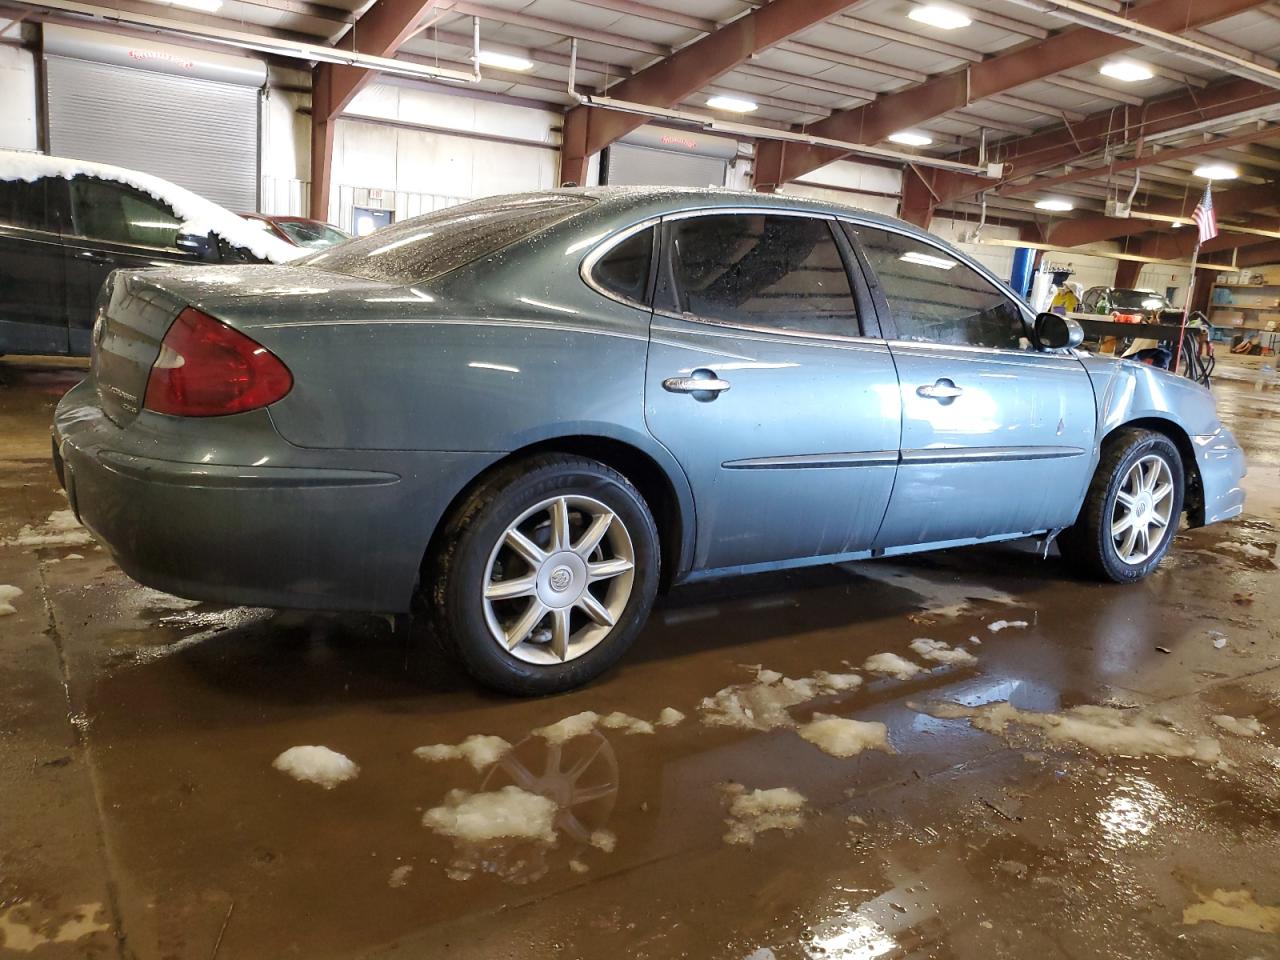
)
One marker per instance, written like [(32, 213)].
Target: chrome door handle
[(694, 385), (944, 391)]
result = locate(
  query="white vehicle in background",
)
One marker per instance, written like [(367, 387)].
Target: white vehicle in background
[(66, 224)]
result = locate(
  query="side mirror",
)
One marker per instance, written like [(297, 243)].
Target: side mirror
[(202, 246), (1056, 332)]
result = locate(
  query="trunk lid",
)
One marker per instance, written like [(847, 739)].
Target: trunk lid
[(136, 308)]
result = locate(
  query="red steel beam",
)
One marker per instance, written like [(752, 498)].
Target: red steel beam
[(779, 163), (588, 130), (1242, 200), (1179, 244), (1143, 160), (380, 32), (1261, 255)]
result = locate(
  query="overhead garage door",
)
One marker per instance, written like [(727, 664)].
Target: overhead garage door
[(199, 133), (663, 156)]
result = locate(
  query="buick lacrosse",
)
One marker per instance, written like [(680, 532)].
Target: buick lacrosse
[(524, 414)]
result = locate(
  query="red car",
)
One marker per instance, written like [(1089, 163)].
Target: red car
[(299, 231)]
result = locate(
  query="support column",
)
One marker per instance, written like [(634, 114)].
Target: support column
[(322, 127), (918, 201), (574, 156), (1127, 273)]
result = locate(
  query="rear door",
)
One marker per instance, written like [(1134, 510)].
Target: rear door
[(32, 311), (783, 416), (111, 225), (996, 436)]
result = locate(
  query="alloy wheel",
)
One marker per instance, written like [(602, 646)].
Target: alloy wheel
[(1142, 510), (558, 579)]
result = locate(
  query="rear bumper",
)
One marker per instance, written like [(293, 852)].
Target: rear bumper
[(306, 534), (1222, 469)]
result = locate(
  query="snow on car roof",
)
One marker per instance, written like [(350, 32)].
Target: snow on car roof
[(198, 215)]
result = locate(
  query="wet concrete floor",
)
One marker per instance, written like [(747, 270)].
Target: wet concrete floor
[(140, 814)]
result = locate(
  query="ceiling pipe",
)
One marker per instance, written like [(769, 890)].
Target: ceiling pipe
[(1090, 16)]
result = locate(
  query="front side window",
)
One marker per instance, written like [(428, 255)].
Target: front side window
[(22, 204), (624, 270), (107, 210), (934, 297), (309, 233), (763, 270)]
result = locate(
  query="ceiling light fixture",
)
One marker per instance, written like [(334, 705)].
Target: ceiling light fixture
[(1126, 71), (1217, 171), (731, 104), (910, 138), (1057, 206), (504, 61), (936, 15)]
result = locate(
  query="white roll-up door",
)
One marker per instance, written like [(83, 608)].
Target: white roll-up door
[(198, 132), (632, 166)]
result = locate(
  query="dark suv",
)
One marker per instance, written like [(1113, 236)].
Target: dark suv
[(61, 236)]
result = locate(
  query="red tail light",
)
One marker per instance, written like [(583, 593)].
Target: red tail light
[(208, 369)]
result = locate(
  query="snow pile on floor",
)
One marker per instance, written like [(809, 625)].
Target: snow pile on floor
[(583, 723), (198, 215), (1233, 908), (478, 750), (7, 595), (939, 652), (23, 930), (500, 814), (400, 876), (842, 737), (837, 682), (670, 717), (1240, 726), (318, 765), (1247, 549), (940, 597), (998, 625), (62, 529), (1101, 729), (892, 665), (604, 840), (751, 814)]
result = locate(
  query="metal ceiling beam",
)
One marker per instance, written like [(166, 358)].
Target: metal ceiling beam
[(556, 28), (849, 60), (1144, 160), (588, 130), (1242, 200), (657, 14), (908, 38), (1178, 115), (1261, 255), (1074, 47), (1094, 90)]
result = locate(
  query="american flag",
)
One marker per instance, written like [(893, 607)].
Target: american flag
[(1206, 220)]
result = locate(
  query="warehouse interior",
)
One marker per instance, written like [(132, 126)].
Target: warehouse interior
[(1042, 765)]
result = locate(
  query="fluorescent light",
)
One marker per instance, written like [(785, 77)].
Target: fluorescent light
[(731, 104), (1126, 71), (1057, 206), (505, 61), (208, 6), (910, 138), (925, 260), (944, 18), (1217, 171)]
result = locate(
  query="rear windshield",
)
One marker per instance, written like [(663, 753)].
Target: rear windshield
[(1137, 300), (425, 247)]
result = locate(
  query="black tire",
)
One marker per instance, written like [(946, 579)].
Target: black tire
[(1088, 545), (456, 574)]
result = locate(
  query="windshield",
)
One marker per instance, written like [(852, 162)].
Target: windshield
[(426, 247), (309, 233)]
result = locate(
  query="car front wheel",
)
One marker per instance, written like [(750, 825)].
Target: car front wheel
[(545, 575), (1131, 512)]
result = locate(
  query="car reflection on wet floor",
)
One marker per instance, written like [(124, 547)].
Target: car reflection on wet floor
[(695, 802)]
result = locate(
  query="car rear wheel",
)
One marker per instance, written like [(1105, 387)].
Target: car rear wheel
[(545, 575), (1131, 512)]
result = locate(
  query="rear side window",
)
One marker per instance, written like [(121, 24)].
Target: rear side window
[(624, 270), (763, 270), (936, 298), (425, 247), (22, 204), (107, 210)]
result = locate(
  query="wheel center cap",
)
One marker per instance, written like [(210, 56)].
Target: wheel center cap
[(561, 579)]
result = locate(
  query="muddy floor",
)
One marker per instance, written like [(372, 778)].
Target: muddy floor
[(707, 799)]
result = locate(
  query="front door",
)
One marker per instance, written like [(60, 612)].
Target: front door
[(997, 438), (783, 417), (111, 225)]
